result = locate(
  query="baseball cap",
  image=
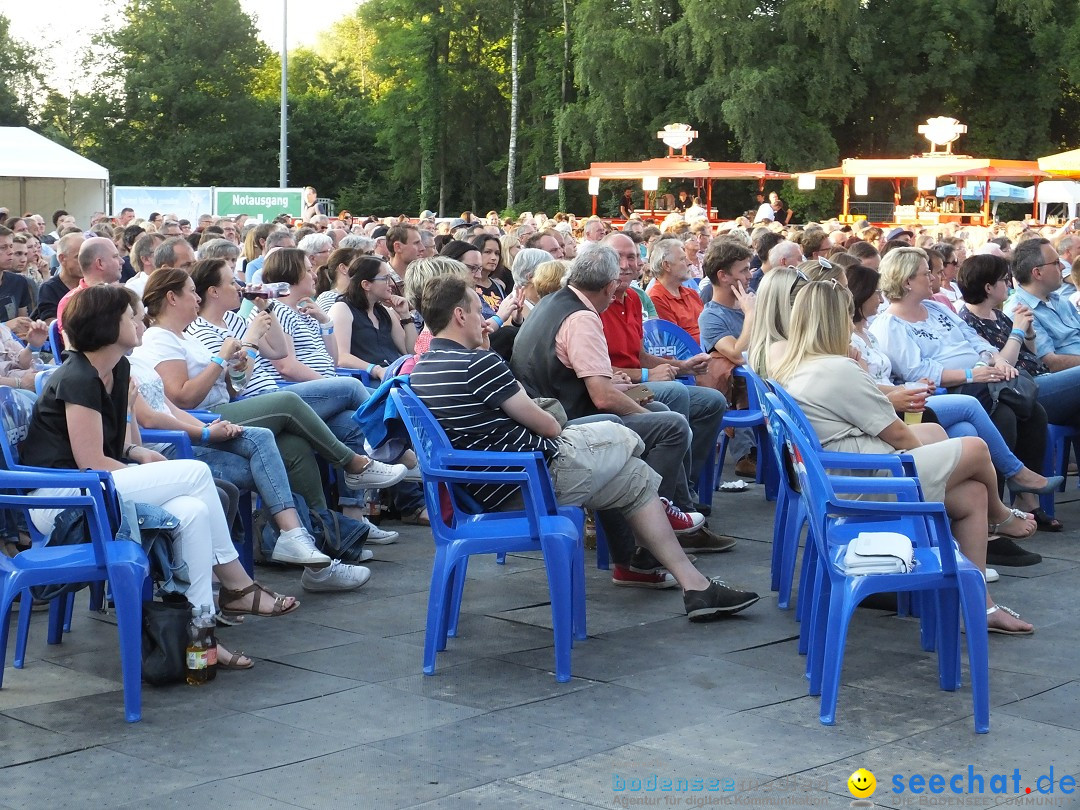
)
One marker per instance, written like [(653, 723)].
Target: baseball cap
[(379, 232), (456, 223), (426, 214)]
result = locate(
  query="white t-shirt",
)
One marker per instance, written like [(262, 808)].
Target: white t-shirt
[(159, 345), (765, 211), (137, 283), (151, 386)]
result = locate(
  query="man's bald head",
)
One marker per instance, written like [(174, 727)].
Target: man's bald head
[(100, 260)]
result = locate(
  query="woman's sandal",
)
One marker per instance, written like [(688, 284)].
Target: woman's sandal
[(231, 660), (257, 591), (992, 610), (1045, 522), (995, 528)]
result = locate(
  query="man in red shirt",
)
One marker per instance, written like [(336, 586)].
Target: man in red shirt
[(674, 303), (703, 408)]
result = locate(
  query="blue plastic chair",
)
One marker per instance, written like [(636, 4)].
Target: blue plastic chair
[(791, 518), (940, 570), (121, 564), (56, 342), (1060, 440), (541, 526)]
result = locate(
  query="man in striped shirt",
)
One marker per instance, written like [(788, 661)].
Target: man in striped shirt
[(474, 396)]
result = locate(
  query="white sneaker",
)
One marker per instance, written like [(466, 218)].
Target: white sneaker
[(380, 537), (376, 476), (338, 576), (298, 548), (991, 575), (366, 554)]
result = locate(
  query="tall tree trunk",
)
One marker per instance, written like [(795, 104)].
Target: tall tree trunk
[(511, 157), (564, 99)]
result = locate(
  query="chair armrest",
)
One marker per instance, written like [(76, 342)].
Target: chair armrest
[(175, 437), (206, 417), (862, 484), (832, 460), (358, 373)]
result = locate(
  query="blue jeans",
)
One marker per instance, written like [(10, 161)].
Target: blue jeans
[(251, 461), (962, 415), (335, 400), (1059, 394), (704, 409)]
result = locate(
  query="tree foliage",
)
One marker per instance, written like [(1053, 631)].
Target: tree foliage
[(405, 104)]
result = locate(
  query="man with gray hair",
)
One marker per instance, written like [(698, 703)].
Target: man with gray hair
[(318, 247), (355, 241), (579, 374), (176, 253), (525, 264), (674, 303), (142, 259), (65, 280)]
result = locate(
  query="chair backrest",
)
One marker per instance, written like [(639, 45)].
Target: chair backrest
[(56, 341), (426, 433), (665, 339), (15, 413), (795, 412), (42, 378)]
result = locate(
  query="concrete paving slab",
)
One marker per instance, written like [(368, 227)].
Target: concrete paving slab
[(382, 779), (43, 682), (368, 659), (501, 794), (494, 745), (367, 713)]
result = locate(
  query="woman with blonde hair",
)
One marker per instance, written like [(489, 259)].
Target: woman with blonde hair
[(823, 270), (510, 247), (420, 272), (849, 413), (772, 316)]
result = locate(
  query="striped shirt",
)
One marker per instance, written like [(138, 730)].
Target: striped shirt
[(212, 336), (308, 345), (464, 390)]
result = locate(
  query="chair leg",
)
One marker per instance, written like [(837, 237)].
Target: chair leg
[(558, 559), (972, 602), (721, 455), (706, 483), (57, 615), (460, 570), (780, 520), (947, 625), (247, 548), (833, 660), (126, 584), (22, 632), (789, 551), (7, 594), (437, 596)]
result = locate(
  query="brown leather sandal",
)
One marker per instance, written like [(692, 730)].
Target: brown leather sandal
[(230, 596)]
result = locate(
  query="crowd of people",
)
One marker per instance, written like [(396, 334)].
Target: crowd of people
[(528, 334)]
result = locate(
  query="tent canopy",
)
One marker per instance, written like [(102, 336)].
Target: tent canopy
[(24, 153), (1063, 164), (676, 168), (944, 166), (998, 191), (41, 176)]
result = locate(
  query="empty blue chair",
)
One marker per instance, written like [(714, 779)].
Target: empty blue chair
[(120, 563), (541, 526), (1060, 439), (940, 570)]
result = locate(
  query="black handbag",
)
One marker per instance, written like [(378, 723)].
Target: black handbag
[(1021, 394), (164, 641)]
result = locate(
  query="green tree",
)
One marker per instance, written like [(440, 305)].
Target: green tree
[(20, 79), (180, 109)]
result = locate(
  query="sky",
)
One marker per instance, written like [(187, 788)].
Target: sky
[(69, 25)]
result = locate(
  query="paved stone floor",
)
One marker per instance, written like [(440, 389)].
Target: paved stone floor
[(336, 712)]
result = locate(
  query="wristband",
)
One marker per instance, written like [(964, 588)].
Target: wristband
[(1020, 333), (326, 330), (969, 375), (406, 321), (205, 435), (644, 374), (370, 368), (128, 449), (497, 320), (254, 355), (219, 361)]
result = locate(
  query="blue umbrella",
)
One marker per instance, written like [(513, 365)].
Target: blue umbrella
[(998, 191)]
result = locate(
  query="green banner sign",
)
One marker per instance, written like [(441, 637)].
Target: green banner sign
[(260, 204)]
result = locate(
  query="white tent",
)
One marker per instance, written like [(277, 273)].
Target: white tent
[(41, 176), (1058, 191)]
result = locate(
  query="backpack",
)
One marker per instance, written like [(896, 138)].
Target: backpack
[(336, 535)]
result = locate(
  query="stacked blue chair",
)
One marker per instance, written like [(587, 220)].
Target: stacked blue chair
[(542, 526), (941, 571), (1060, 439), (120, 563)]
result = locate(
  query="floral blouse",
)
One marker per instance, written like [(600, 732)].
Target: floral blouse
[(997, 332)]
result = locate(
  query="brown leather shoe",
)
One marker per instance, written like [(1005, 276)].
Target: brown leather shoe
[(703, 541), (746, 467)]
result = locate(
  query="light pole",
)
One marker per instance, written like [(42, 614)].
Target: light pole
[(283, 157)]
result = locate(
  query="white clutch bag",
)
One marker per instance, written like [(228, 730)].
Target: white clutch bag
[(879, 553)]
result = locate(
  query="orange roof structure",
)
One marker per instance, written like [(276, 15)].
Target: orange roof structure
[(674, 168)]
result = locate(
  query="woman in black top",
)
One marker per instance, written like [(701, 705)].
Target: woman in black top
[(372, 326), (81, 421)]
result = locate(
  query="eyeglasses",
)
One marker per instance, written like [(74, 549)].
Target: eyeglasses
[(476, 268), (1056, 263), (381, 278)]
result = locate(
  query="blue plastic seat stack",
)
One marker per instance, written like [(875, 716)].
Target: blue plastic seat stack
[(541, 526), (941, 574)]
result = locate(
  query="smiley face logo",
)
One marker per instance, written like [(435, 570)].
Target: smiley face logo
[(862, 784)]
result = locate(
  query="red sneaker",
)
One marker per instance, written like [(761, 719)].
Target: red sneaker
[(625, 577), (682, 522)]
